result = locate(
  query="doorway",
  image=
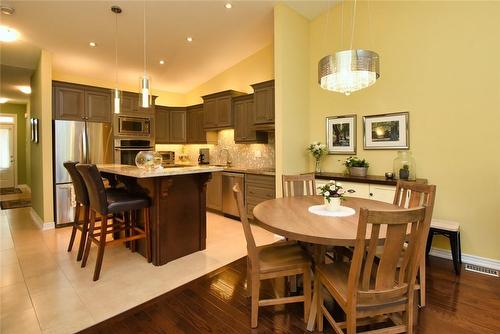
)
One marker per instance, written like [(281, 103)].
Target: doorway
[(8, 150)]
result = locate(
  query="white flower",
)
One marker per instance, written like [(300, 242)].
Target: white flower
[(332, 187), (339, 184), (341, 191), (331, 182), (326, 193)]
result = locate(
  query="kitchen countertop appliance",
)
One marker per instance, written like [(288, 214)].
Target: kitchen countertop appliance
[(167, 158), (82, 141), (204, 157), (229, 179), (127, 148)]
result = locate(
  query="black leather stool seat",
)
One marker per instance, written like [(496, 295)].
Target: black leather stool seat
[(121, 201)]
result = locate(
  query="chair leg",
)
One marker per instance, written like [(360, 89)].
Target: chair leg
[(454, 251), (319, 311), (75, 224), (351, 320), (89, 238), (307, 293), (148, 235), (421, 277), (255, 300), (249, 278), (83, 238), (409, 314), (459, 248), (100, 249)]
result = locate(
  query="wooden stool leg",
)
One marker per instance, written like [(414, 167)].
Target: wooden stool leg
[(100, 249), (148, 235), (90, 237), (127, 217), (133, 215), (75, 224), (454, 251), (83, 238)]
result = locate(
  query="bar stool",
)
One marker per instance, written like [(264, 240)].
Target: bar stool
[(82, 202), (105, 203), (451, 230)]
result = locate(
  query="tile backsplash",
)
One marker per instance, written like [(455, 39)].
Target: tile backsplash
[(242, 155)]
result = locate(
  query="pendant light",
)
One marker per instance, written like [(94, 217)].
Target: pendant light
[(116, 92), (145, 100), (351, 70)]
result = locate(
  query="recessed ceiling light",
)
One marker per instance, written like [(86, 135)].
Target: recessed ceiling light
[(7, 10), (228, 5), (25, 89), (189, 39), (3, 100), (162, 62), (8, 34), (93, 44)]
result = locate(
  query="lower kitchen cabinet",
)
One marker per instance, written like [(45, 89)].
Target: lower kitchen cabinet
[(214, 192), (259, 188)]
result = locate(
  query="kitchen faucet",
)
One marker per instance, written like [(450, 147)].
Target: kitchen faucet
[(228, 157)]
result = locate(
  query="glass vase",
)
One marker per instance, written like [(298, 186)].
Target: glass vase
[(148, 160), (404, 166), (317, 167)]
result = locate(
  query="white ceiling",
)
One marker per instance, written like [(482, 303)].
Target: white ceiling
[(221, 37)]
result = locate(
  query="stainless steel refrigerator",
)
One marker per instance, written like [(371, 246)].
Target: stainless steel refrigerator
[(86, 142)]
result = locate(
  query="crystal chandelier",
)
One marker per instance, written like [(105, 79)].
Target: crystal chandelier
[(349, 70)]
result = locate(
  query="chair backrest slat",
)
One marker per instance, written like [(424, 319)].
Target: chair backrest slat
[(251, 246), (299, 185)]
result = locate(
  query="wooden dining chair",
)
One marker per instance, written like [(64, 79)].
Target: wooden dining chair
[(411, 195), (298, 185), (377, 294), (273, 261)]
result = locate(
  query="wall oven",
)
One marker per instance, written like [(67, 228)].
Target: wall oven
[(127, 149), (133, 126)]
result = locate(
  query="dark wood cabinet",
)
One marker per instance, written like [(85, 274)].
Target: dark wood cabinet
[(218, 110), (162, 125), (170, 125), (178, 125), (69, 103), (244, 130), (264, 104), (129, 102), (195, 132), (259, 188), (98, 105), (214, 192)]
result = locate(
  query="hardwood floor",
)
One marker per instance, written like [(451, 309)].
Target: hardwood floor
[(217, 303)]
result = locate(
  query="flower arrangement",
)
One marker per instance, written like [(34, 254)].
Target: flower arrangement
[(356, 162), (332, 190), (317, 150)]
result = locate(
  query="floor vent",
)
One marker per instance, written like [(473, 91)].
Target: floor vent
[(482, 270)]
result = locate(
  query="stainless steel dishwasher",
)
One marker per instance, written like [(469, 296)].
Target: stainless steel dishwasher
[(229, 179)]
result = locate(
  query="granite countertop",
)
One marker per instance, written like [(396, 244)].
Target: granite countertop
[(133, 171)]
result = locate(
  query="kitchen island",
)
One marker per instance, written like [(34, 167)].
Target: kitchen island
[(178, 211)]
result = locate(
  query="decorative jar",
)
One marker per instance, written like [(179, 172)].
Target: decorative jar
[(404, 167), (333, 204), (148, 160)]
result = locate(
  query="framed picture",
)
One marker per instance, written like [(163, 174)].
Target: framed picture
[(341, 134), (34, 130), (386, 132)]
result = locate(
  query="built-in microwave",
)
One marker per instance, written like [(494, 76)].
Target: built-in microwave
[(134, 126)]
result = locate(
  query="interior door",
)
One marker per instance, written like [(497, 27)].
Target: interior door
[(7, 161)]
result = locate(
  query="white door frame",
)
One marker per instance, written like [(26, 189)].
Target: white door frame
[(15, 142)]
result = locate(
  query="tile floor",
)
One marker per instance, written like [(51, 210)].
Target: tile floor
[(43, 289)]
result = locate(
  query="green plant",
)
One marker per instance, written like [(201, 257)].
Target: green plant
[(356, 162), (317, 149), (332, 190)]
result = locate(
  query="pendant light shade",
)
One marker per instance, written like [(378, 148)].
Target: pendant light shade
[(348, 71), (145, 101), (116, 92), (117, 95)]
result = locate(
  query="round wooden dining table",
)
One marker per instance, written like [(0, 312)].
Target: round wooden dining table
[(290, 217)]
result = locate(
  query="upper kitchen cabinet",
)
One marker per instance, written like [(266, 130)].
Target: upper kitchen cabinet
[(218, 110), (78, 102), (244, 129), (170, 125), (264, 105), (130, 103), (195, 132)]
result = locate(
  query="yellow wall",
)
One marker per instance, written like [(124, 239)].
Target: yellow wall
[(440, 62), (19, 110), (291, 43), (41, 152), (164, 98), (256, 68)]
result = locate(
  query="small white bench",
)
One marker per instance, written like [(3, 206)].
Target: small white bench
[(451, 230)]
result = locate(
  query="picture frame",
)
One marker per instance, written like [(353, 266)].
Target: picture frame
[(341, 134), (34, 130), (387, 131)]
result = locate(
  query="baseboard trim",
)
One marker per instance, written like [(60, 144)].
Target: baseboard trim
[(43, 225), (467, 258)]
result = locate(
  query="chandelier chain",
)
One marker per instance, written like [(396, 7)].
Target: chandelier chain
[(144, 37)]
